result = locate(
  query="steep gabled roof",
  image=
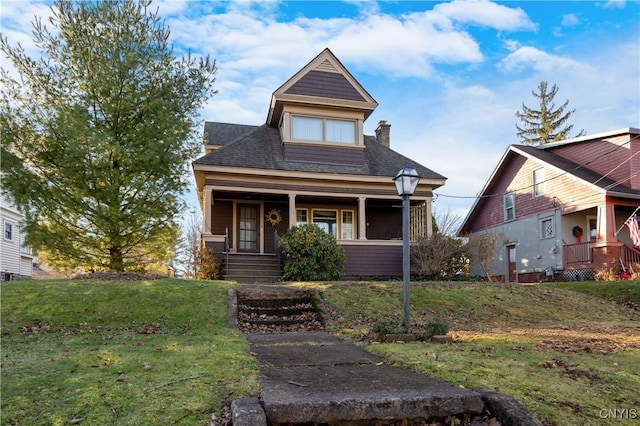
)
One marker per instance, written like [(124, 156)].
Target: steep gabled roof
[(323, 81), (261, 148), (564, 166)]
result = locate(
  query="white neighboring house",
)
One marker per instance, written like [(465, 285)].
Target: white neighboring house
[(16, 259)]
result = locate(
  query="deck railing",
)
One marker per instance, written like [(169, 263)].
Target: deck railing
[(578, 253), (629, 255)]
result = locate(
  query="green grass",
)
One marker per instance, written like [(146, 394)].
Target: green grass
[(159, 352), (618, 291), (564, 354), (121, 353)]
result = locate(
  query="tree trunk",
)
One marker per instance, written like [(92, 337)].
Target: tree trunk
[(116, 262)]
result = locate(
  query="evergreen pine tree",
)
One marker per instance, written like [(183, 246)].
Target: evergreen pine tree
[(548, 124), (97, 133)]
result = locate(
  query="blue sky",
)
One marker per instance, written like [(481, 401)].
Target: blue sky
[(448, 76)]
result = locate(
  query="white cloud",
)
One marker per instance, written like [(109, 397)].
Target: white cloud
[(614, 4), (531, 58), (486, 13), (570, 20)]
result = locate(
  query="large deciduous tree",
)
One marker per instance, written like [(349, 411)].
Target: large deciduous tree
[(547, 124), (98, 130)]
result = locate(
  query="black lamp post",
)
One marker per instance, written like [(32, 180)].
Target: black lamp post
[(406, 182)]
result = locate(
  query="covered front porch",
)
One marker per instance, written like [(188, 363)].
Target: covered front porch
[(368, 226), (597, 239)]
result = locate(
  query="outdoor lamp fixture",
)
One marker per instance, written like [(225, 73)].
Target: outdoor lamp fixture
[(406, 182)]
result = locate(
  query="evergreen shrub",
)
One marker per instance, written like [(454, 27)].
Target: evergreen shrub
[(310, 254)]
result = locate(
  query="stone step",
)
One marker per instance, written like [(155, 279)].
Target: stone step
[(274, 309)]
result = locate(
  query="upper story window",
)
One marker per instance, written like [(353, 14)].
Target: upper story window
[(323, 130), (8, 231), (509, 207), (538, 182)]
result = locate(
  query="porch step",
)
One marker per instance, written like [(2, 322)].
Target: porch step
[(243, 267), (272, 309)]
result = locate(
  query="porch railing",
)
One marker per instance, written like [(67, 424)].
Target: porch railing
[(578, 253), (629, 255)]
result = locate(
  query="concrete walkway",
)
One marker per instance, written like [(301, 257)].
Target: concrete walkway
[(317, 378)]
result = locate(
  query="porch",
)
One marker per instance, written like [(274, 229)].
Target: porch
[(246, 227), (596, 256)]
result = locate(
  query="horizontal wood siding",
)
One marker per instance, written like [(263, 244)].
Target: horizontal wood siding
[(269, 229), (373, 261), (222, 218), (324, 154), (560, 191), (217, 248)]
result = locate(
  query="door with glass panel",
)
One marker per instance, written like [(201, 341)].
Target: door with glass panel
[(248, 228)]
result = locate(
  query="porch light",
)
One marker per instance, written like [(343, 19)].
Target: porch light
[(406, 182)]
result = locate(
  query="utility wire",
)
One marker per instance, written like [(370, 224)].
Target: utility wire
[(549, 179)]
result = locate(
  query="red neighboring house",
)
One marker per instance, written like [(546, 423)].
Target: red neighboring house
[(309, 163), (563, 207)]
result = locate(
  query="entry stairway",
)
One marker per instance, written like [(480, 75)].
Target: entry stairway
[(250, 267)]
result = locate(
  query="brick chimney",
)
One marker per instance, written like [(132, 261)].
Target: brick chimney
[(383, 133)]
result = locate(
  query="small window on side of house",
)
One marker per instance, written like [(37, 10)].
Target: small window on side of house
[(538, 182), (8, 231), (546, 228), (509, 207)]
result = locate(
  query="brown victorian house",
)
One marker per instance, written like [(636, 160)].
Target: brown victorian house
[(309, 163)]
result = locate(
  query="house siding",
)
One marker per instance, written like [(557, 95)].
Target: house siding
[(368, 260), (560, 192), (222, 220), (534, 254), (324, 154), (325, 85), (16, 260)]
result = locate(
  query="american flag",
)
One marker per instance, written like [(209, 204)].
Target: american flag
[(634, 232)]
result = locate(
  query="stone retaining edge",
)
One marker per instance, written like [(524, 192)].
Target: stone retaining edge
[(248, 412)]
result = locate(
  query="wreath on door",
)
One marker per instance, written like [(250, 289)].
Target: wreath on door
[(274, 217)]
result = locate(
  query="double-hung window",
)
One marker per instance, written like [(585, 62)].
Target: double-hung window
[(538, 182), (509, 207), (8, 231)]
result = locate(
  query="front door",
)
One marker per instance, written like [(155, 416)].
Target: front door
[(511, 252), (248, 228)]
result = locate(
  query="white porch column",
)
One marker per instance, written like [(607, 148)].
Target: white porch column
[(207, 208), (292, 210), (429, 218), (362, 219)]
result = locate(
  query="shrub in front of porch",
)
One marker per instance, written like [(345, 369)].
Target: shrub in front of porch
[(311, 255)]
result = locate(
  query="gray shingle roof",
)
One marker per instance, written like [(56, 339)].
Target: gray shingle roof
[(261, 147)]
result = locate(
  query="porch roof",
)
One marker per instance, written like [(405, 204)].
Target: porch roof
[(261, 147)]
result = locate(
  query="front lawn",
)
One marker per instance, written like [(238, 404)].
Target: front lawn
[(571, 358), (159, 352), (120, 352)]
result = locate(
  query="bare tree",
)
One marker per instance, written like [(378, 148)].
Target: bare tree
[(447, 222), (484, 248)]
